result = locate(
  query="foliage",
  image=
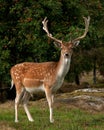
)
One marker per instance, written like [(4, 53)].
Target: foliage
[(22, 37)]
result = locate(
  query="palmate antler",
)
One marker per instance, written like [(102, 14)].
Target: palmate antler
[(87, 22), (45, 28)]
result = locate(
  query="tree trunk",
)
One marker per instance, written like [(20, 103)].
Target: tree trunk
[(94, 71), (77, 81)]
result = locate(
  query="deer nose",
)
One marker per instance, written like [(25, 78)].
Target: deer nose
[(66, 55)]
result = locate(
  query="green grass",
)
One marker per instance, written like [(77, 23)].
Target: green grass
[(65, 119)]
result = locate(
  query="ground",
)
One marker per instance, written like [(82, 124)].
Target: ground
[(89, 100)]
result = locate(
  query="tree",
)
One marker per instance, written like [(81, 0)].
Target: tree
[(22, 37)]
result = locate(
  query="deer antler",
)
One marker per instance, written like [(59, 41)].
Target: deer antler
[(87, 21), (45, 28)]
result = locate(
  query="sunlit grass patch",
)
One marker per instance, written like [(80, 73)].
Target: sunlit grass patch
[(65, 119)]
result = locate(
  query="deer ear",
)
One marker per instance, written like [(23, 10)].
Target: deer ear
[(76, 43), (57, 44)]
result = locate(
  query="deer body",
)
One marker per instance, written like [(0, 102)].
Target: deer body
[(37, 75), (30, 77), (34, 75)]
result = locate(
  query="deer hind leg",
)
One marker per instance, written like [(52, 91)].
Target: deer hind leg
[(26, 98), (19, 95), (49, 97)]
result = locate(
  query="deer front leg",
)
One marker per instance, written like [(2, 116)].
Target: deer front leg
[(49, 97)]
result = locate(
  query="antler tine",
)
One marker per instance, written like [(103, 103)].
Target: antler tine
[(44, 22), (45, 28), (87, 21)]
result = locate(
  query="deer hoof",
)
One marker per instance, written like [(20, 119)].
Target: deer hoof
[(52, 121)]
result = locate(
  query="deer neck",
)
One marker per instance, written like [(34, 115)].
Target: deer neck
[(63, 66)]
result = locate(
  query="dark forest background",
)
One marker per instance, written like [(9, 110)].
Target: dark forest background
[(23, 39)]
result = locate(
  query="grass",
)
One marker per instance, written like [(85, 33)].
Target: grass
[(65, 118)]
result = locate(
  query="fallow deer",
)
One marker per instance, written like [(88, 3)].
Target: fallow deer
[(30, 77)]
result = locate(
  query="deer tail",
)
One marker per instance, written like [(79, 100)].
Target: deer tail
[(12, 84)]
